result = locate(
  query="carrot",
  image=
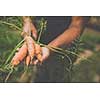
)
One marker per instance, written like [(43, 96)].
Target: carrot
[(19, 56), (28, 59), (39, 57), (38, 52), (38, 49), (31, 48)]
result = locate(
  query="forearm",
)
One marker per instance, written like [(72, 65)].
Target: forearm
[(26, 19), (67, 37), (70, 34)]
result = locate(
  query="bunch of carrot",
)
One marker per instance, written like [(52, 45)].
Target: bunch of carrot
[(29, 51)]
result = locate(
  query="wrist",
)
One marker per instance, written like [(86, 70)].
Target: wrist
[(50, 50), (26, 19), (54, 43)]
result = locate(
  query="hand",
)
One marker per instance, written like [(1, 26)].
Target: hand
[(45, 55), (29, 29)]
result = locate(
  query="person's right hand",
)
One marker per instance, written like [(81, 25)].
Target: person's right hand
[(29, 29)]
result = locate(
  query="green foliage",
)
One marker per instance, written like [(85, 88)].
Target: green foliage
[(90, 40), (86, 71), (17, 20)]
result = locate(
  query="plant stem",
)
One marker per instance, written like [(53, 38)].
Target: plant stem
[(2, 70), (9, 74), (59, 53), (9, 57), (40, 33), (10, 24), (64, 51)]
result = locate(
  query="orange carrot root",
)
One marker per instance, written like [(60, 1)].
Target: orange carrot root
[(38, 49), (19, 56), (38, 52), (28, 59), (31, 48), (39, 57)]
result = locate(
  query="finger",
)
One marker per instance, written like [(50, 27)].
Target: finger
[(35, 62), (45, 53), (43, 58), (23, 34)]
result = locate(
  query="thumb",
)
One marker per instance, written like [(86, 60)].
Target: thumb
[(34, 31), (34, 34), (45, 53)]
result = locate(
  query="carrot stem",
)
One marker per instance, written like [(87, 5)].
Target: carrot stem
[(40, 33), (10, 24), (9, 57), (60, 53), (60, 50), (8, 76), (2, 70)]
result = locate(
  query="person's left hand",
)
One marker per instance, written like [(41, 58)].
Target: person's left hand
[(45, 55)]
